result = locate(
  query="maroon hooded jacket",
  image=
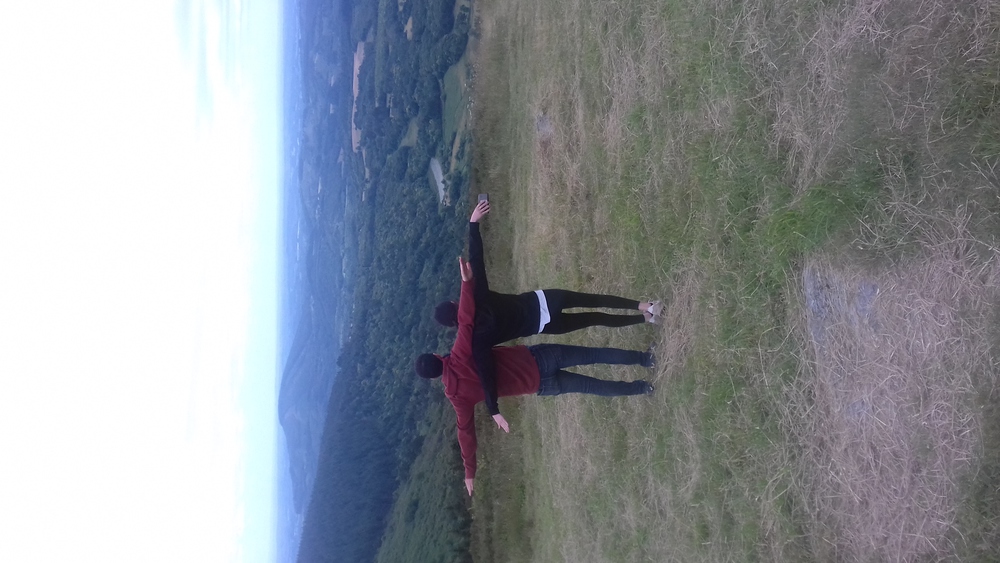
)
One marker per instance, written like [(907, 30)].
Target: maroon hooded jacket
[(516, 374)]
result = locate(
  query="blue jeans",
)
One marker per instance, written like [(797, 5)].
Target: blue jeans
[(552, 358)]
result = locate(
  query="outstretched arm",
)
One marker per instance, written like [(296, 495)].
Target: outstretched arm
[(466, 310), (476, 250), (464, 413), (466, 426), (482, 355)]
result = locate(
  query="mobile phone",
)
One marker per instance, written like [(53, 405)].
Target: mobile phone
[(484, 197)]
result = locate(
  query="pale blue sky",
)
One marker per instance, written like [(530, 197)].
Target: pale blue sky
[(138, 307)]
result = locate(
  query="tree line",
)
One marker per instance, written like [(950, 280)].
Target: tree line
[(385, 488)]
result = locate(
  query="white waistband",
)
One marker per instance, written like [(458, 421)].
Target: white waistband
[(543, 310)]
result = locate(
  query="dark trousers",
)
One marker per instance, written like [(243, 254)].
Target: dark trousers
[(561, 323), (552, 358)]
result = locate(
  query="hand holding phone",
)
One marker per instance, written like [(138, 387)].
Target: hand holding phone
[(482, 208)]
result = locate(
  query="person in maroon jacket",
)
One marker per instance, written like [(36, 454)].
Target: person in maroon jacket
[(519, 370), (500, 317)]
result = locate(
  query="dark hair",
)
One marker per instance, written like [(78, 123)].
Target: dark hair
[(428, 366), (446, 313)]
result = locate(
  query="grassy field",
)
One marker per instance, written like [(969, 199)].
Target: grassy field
[(813, 186)]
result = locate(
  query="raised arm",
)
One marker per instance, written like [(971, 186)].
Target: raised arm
[(482, 354), (476, 250), (466, 310)]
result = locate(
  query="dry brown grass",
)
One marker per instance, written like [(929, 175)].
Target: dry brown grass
[(890, 431)]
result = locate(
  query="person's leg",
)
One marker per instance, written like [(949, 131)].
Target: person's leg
[(565, 356), (561, 323), (569, 382), (554, 380), (546, 359), (565, 299)]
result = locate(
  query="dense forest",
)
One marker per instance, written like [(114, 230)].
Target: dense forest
[(388, 483)]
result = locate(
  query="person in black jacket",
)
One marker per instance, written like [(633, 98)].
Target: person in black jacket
[(502, 316)]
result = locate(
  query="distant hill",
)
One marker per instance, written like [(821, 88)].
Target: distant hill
[(308, 375), (381, 252), (310, 365)]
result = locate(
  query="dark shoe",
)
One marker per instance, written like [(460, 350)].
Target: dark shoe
[(649, 388), (650, 361)]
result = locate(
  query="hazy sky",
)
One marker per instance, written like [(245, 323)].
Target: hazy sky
[(138, 223)]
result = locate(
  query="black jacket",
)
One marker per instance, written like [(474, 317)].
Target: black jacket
[(499, 317)]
